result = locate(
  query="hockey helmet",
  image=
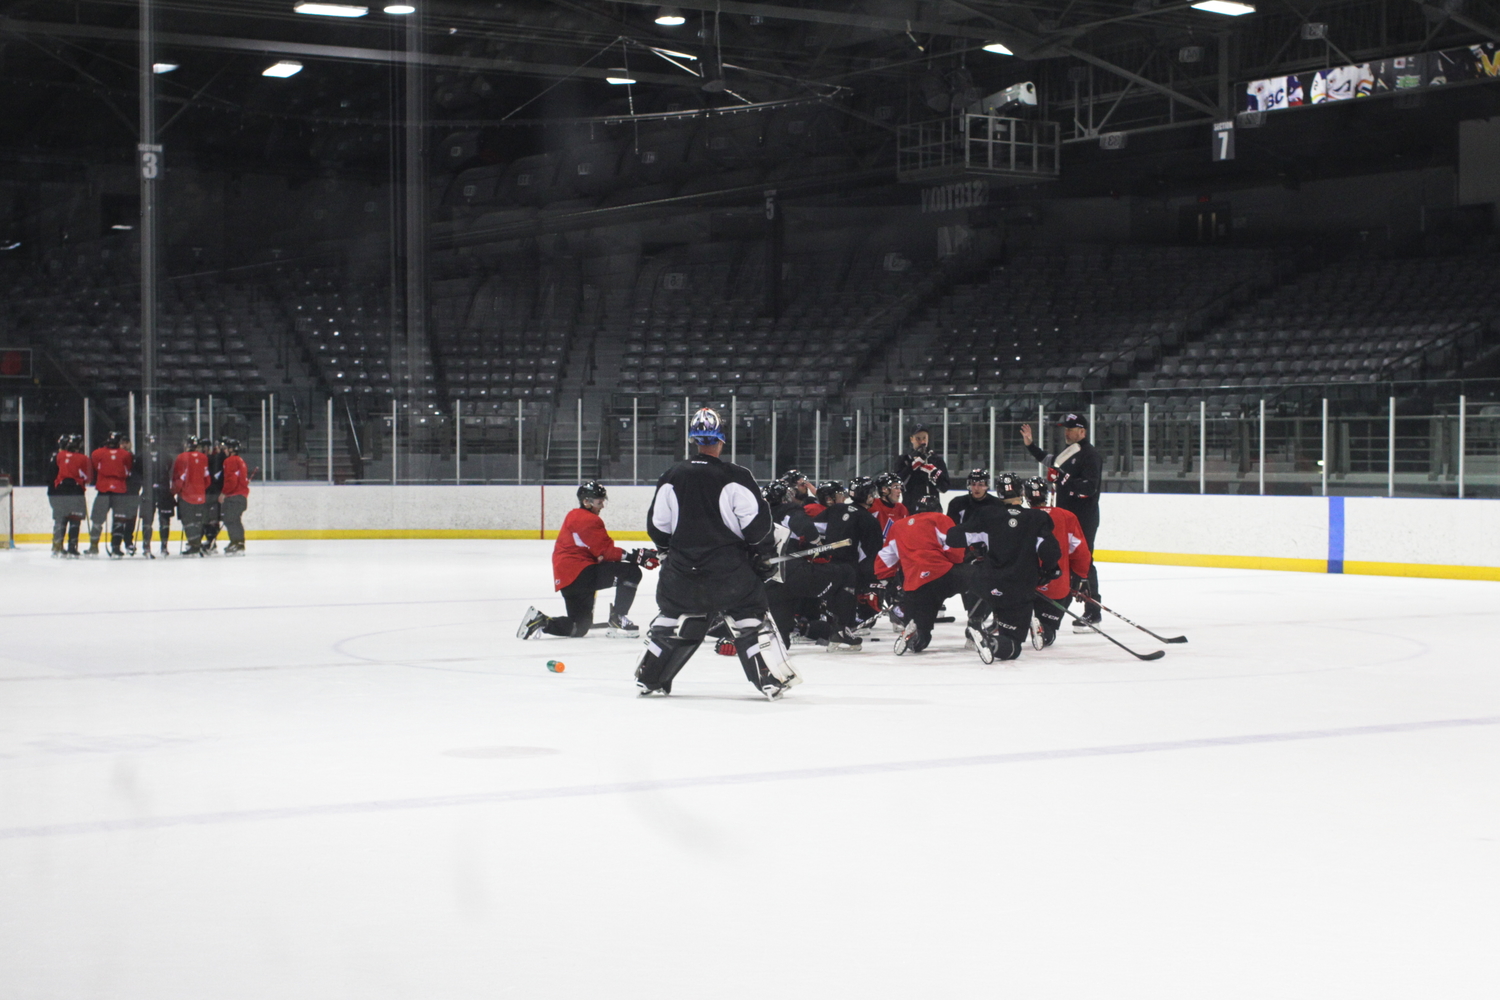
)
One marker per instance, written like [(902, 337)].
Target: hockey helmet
[(113, 439), (75, 442), (828, 492), (192, 443), (1035, 491), (792, 477), (1008, 486), (64, 442), (978, 476), (705, 427), (928, 503), (885, 482), (861, 489), (591, 490), (776, 492), (230, 444)]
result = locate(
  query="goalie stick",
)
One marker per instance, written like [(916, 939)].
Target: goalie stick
[(1094, 601), (815, 550), (1155, 654)]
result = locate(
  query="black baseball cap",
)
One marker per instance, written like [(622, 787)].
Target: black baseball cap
[(919, 429), (1073, 420)]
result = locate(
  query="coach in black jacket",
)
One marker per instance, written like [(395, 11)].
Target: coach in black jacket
[(1080, 479), (714, 532)]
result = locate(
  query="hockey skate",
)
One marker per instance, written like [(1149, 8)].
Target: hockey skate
[(57, 550), (773, 688), (234, 549), (908, 633), (211, 549), (93, 551), (621, 627), (130, 550), (898, 618), (531, 624), (844, 641), (1086, 623), (983, 643)]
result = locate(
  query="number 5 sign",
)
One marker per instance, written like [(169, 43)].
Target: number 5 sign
[(151, 163), (1223, 141)]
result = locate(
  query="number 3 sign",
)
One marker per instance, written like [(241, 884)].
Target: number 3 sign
[(151, 164)]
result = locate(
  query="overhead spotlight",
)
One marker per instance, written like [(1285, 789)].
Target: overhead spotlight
[(670, 17), (122, 226), (282, 69), (999, 48), (331, 9), (674, 55), (159, 68), (619, 76), (400, 8), (1226, 7)]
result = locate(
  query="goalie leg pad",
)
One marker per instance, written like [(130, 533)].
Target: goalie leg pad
[(670, 643), (760, 651)]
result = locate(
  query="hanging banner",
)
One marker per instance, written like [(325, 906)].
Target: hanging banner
[(1373, 79)]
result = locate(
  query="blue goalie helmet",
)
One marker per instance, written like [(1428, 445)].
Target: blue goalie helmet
[(706, 427)]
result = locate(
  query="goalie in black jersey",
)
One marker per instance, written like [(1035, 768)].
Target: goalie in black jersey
[(714, 531)]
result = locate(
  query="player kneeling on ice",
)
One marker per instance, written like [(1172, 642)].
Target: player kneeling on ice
[(1013, 552), (586, 560), (930, 569), (1073, 569), (715, 531)]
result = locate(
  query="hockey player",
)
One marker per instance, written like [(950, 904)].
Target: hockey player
[(801, 486), (716, 531), (778, 496), (1079, 477), (1013, 552), (585, 560), (831, 580), (132, 497), (235, 495), (870, 539), (111, 467), (921, 471), (1074, 556), (918, 546), (887, 506), (65, 494), (211, 497), (189, 488), (156, 495), (979, 495)]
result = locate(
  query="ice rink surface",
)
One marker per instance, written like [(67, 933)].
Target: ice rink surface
[(330, 770)]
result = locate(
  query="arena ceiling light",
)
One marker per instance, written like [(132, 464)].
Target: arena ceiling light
[(400, 8), (999, 48), (674, 55), (331, 9), (1226, 7), (160, 68), (619, 76), (282, 69), (670, 17)]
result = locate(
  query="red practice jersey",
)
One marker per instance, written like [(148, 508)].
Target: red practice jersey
[(190, 477), (1076, 556), (915, 546), (111, 469), (236, 477), (886, 513), (582, 541), (74, 466)]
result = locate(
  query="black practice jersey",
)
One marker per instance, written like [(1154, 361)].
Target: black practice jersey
[(916, 483), (868, 540), (215, 474), (1084, 470), (960, 506), (156, 473), (709, 514), (1020, 542)]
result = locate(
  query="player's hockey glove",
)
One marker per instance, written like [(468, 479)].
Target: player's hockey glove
[(1050, 573), (764, 568), (1080, 585), (644, 558), (976, 552), (929, 468)]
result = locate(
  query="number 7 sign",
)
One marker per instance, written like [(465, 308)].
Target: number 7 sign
[(1223, 145)]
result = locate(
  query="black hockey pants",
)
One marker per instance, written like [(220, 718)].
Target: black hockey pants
[(151, 507), (68, 512), (832, 582), (1088, 520), (123, 507), (922, 605), (233, 509), (191, 515), (578, 597)]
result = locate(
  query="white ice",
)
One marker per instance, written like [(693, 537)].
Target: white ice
[(330, 770)]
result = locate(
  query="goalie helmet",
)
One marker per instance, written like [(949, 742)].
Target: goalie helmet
[(1008, 486), (776, 492), (928, 503), (861, 489), (979, 476), (706, 427), (591, 490), (1035, 491), (828, 493)]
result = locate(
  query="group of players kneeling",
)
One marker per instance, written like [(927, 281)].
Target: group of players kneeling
[(853, 553)]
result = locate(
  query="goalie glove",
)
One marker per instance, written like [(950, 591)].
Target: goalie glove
[(644, 558)]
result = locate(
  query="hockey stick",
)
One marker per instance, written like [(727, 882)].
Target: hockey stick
[(1094, 601), (815, 550), (1155, 654)]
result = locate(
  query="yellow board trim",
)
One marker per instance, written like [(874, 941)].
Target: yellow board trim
[(1216, 562), (1423, 570)]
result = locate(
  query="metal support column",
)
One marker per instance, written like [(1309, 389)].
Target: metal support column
[(773, 441), (21, 441), (991, 466), (130, 420), (211, 419), (1262, 447), (1146, 446), (1324, 462), (329, 443), (88, 427), (395, 437), (1040, 439), (578, 456), (458, 442), (263, 464), (1462, 441), (520, 426), (734, 427), (149, 164), (1202, 446), (1390, 452), (817, 444), (635, 440)]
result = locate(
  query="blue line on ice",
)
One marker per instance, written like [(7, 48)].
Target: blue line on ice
[(707, 781)]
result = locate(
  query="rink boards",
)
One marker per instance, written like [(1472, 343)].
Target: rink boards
[(1456, 539)]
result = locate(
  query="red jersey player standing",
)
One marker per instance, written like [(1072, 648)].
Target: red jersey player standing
[(235, 497), (931, 570), (112, 464), (65, 493), (190, 486), (586, 560), (1074, 561)]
